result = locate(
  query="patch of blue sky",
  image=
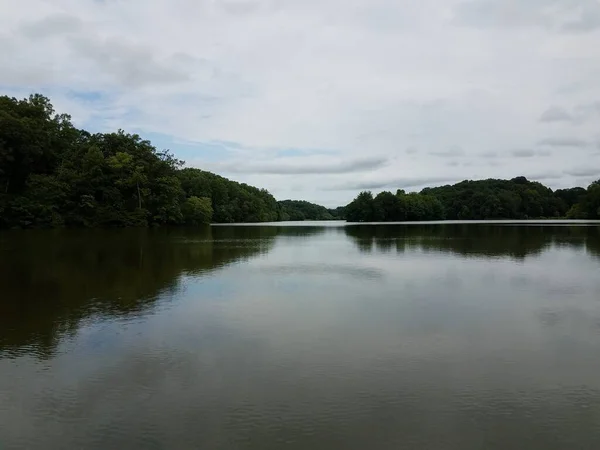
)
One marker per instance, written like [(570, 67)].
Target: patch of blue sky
[(207, 287), (17, 92), (88, 96)]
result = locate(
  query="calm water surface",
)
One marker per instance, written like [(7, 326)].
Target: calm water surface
[(446, 336)]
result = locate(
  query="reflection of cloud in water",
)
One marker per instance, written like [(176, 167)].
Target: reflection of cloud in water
[(324, 270), (572, 320)]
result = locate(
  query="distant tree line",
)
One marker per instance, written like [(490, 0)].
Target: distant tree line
[(518, 198), (53, 174), (303, 210)]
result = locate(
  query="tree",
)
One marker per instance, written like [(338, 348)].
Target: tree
[(197, 211), (389, 207), (591, 201), (518, 198), (361, 208), (303, 210), (231, 201)]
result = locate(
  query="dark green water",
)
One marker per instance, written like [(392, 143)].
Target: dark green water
[(315, 337)]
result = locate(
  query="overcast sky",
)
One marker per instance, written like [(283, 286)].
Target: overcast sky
[(318, 99)]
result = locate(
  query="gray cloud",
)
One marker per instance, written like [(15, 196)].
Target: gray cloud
[(556, 114), (240, 7), (395, 183), (130, 64), (583, 172), (450, 153), (297, 166), (488, 155), (405, 183), (540, 176), (563, 142), (588, 20), (336, 88), (500, 14), (584, 15), (53, 25), (527, 153), (581, 113), (523, 153), (587, 110)]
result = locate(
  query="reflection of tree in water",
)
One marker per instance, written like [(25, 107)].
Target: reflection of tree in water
[(51, 280), (302, 231), (592, 242), (254, 231), (484, 240)]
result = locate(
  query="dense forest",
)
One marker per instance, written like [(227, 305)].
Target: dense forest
[(53, 174), (518, 198), (303, 210)]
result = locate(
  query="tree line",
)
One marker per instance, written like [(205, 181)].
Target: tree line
[(53, 174), (302, 210), (517, 198)]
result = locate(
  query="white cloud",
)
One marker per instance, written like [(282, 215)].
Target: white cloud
[(427, 91)]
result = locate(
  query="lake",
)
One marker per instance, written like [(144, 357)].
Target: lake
[(302, 336)]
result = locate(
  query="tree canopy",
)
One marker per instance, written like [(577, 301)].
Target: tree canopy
[(231, 201), (397, 207), (518, 198), (303, 210)]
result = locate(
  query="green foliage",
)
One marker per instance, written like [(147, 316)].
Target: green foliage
[(569, 197), (389, 207), (361, 209), (303, 210), (231, 201), (197, 210), (589, 204), (518, 198), (338, 213)]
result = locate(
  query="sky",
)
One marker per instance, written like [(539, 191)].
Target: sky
[(319, 99)]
